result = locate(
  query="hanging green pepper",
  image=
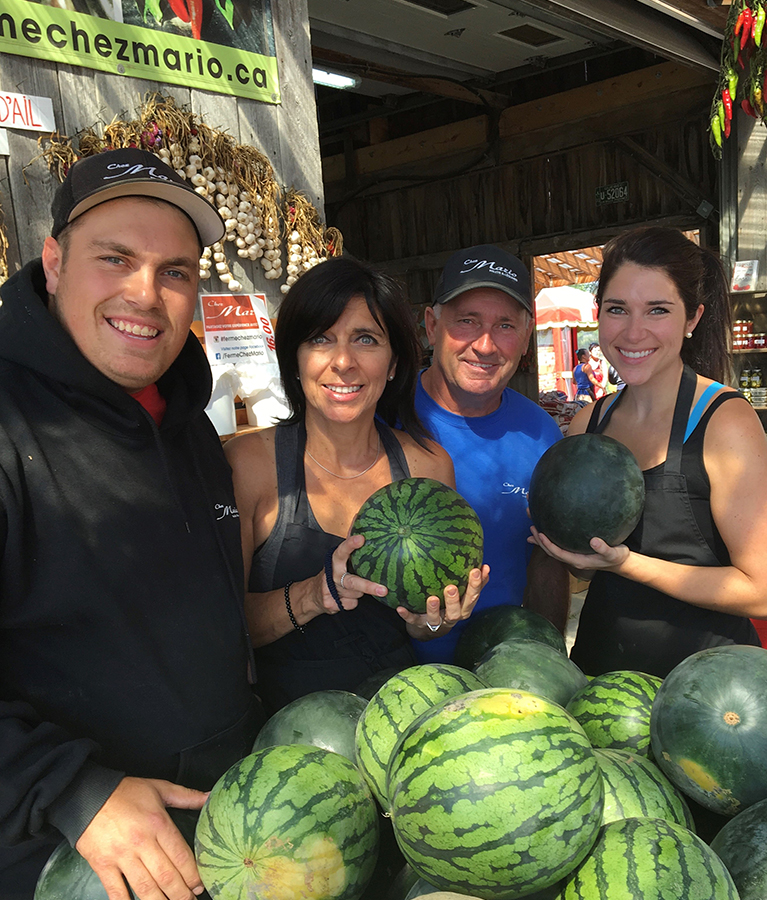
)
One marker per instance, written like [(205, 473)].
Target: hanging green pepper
[(732, 82), (720, 115), (759, 25), (716, 130)]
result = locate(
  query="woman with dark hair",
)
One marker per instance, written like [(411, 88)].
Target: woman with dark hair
[(348, 353), (692, 572)]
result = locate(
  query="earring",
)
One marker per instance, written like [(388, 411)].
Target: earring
[(689, 334), (390, 378)]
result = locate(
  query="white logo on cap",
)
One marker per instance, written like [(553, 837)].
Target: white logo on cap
[(134, 170), (475, 264)]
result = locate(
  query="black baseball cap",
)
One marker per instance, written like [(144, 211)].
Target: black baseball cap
[(131, 172), (484, 266)]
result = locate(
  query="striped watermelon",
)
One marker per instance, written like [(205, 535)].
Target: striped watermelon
[(649, 859), (398, 702), (489, 627), (636, 787), (495, 793), (742, 846), (288, 823), (708, 727), (326, 719), (531, 666), (614, 710), (420, 536)]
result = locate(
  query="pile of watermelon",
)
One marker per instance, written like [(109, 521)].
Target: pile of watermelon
[(457, 787)]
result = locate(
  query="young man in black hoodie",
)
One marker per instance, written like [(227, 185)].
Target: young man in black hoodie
[(124, 654)]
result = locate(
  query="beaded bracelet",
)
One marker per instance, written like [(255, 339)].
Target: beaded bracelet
[(290, 610), (329, 579)]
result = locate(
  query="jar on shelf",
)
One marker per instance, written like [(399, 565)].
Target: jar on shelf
[(744, 381), (760, 341)]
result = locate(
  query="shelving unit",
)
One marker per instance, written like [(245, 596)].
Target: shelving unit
[(751, 306)]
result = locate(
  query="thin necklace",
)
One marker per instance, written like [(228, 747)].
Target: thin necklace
[(347, 477)]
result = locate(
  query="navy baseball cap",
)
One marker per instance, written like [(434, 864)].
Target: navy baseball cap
[(484, 266), (131, 172)]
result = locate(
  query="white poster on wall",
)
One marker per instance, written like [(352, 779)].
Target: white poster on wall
[(4, 151), (26, 112)]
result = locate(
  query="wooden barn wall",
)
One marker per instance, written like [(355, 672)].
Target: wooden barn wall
[(541, 202), (286, 133)]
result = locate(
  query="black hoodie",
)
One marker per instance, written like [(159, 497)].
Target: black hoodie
[(123, 647)]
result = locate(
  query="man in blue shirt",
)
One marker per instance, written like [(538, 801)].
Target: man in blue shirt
[(479, 327)]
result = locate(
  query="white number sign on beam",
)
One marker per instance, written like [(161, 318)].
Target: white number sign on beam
[(25, 112)]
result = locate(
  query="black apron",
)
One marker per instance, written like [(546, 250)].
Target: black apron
[(335, 652), (627, 625)]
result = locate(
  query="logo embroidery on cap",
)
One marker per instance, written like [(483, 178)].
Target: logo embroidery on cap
[(475, 264), (134, 170)]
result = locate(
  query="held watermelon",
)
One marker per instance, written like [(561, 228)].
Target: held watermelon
[(420, 536), (495, 793), (588, 485), (614, 710), (649, 859), (708, 727), (326, 719), (489, 627), (288, 823), (636, 787), (534, 667), (742, 846), (398, 703)]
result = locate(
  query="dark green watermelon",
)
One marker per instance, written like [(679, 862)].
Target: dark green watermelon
[(489, 627), (326, 719), (742, 846), (420, 536), (586, 486), (649, 859), (67, 876), (709, 726), (614, 710), (531, 666), (636, 787)]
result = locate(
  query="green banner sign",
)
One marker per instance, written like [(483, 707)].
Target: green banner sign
[(44, 32)]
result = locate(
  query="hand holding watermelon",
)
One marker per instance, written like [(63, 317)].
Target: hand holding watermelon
[(133, 836), (422, 539), (603, 556)]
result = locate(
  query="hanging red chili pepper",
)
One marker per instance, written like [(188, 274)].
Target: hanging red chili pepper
[(746, 32), (727, 100), (745, 105)]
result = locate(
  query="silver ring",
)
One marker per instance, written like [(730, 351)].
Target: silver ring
[(434, 627), (341, 582)]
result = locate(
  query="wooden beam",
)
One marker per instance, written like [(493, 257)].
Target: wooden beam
[(600, 98), (539, 122), (442, 87), (442, 141)]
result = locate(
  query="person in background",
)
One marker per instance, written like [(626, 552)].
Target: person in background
[(124, 654), (348, 353), (692, 572), (583, 376), (479, 326), (596, 361)]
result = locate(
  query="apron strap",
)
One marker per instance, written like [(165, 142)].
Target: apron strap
[(684, 398)]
